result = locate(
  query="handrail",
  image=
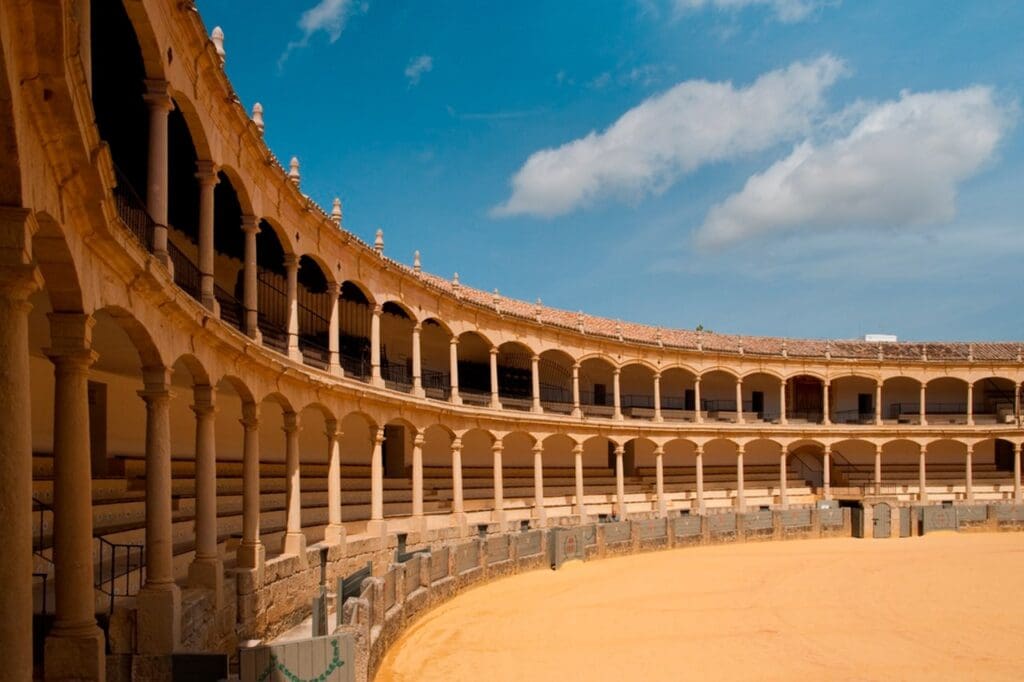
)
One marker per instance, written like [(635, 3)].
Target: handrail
[(132, 211), (124, 561), (186, 273)]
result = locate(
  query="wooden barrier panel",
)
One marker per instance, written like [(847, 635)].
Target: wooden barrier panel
[(686, 526), (439, 565), (530, 543), (412, 575), (497, 549), (799, 518), (651, 529), (326, 659), (467, 556), (722, 523), (758, 520), (833, 517), (566, 544), (616, 532), (389, 589), (938, 518)]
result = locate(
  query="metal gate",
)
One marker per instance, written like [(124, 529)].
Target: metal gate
[(881, 520)]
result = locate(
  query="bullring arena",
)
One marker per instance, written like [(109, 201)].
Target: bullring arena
[(289, 432)]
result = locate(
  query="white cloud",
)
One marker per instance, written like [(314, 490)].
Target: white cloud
[(417, 67), (899, 165), (329, 16), (670, 134), (786, 11)]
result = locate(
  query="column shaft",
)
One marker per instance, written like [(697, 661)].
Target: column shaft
[(657, 397), (783, 480), (783, 419), (335, 531), (417, 476), (333, 331), (970, 404), (878, 469), (924, 405), (538, 484), (739, 401), (294, 541), (1016, 474), (826, 408), (156, 189), (620, 483), (969, 473), (377, 477), (291, 265), (250, 226), (577, 456), (659, 470), (741, 495), (206, 474), (417, 362), (457, 505), (495, 389), (250, 551), (17, 283), (826, 473), (696, 401), (499, 487), (616, 395), (375, 377), (922, 482), (576, 412), (878, 403), (207, 177), (535, 383), (453, 361), (699, 464)]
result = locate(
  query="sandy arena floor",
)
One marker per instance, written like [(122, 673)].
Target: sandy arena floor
[(940, 607)]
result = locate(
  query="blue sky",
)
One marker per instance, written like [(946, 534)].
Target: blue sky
[(782, 167)]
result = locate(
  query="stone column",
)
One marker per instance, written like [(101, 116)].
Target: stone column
[(878, 403), (291, 267), (699, 464), (159, 600), (535, 370), (375, 377), (294, 540), (499, 488), (969, 473), (206, 174), (659, 490), (540, 512), (251, 552), (495, 390), (616, 395), (376, 525), (576, 411), (922, 482), (18, 281), (577, 456), (334, 534), (739, 401), (417, 477), (160, 105), (207, 569), (453, 361), (1016, 401), (1016, 474), (970, 404), (826, 409), (75, 646), (783, 419), (333, 332), (696, 401), (657, 397), (924, 404), (620, 483), (457, 505), (826, 472), (878, 469), (251, 227), (417, 362), (741, 495), (783, 480)]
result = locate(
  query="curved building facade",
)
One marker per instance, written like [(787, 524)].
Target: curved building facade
[(245, 383)]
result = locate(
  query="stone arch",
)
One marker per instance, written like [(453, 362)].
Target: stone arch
[(555, 370), (194, 366), (10, 163), (196, 124), (149, 44), (435, 358), (761, 395), (397, 326), (901, 399), (636, 384), (515, 374), (597, 382), (143, 342), (474, 368), (56, 262)]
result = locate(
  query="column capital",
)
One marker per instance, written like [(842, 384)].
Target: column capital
[(204, 400), (535, 358), (497, 446), (155, 396), (417, 328), (378, 310), (538, 447), (18, 283), (696, 380), (616, 371), (418, 440), (157, 378), (378, 437), (331, 429), (659, 450), (206, 173), (291, 260), (577, 449), (494, 350), (70, 335), (454, 341), (740, 450), (620, 449), (698, 450), (334, 289), (250, 416), (739, 380), (157, 95), (657, 375), (291, 422), (576, 366), (250, 223), (456, 443), (1016, 448)]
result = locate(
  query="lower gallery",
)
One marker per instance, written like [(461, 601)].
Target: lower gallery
[(216, 401)]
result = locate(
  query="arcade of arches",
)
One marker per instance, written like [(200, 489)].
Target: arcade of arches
[(243, 381)]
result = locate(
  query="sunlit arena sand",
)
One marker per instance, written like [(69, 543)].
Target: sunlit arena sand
[(943, 606)]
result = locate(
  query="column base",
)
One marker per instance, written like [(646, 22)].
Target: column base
[(76, 654), (377, 381), (537, 409), (418, 524), (419, 393), (208, 574), (210, 303), (576, 413), (334, 534), (158, 619), (294, 353), (294, 544), (540, 517), (252, 556), (460, 523), (499, 518), (495, 404), (377, 527)]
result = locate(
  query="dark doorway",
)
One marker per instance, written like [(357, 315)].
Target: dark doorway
[(757, 402)]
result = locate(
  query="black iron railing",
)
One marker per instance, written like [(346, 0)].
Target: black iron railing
[(121, 569), (186, 273), (853, 417), (352, 584), (437, 384), (132, 211), (231, 309), (43, 512), (355, 365), (396, 376)]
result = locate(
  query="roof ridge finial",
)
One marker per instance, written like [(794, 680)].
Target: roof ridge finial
[(785, 349), (700, 340), (618, 330), (293, 171), (538, 309), (217, 36), (257, 116), (378, 242), (924, 352), (416, 267), (579, 322), (336, 214), (828, 349), (970, 352), (658, 338), (455, 285)]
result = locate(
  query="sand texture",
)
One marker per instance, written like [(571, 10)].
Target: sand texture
[(942, 607)]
